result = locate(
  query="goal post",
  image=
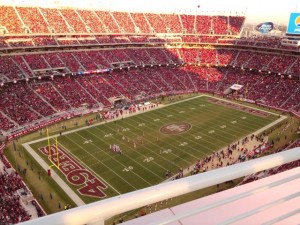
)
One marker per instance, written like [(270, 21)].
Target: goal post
[(55, 154)]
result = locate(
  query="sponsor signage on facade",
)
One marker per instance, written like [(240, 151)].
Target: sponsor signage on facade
[(294, 24), (265, 27)]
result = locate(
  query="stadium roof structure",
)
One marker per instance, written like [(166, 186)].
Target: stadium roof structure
[(272, 200)]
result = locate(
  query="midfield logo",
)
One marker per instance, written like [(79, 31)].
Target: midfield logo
[(175, 128)]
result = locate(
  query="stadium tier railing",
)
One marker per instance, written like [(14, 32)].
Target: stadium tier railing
[(199, 77), (98, 212)]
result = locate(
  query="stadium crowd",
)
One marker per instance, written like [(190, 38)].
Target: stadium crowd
[(12, 188), (46, 97), (11, 209), (264, 75), (277, 169), (23, 20)]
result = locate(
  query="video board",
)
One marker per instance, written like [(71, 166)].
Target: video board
[(294, 24)]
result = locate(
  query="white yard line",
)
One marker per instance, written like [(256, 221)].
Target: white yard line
[(73, 195), (186, 170), (112, 120), (159, 107), (86, 166), (101, 163), (120, 162), (152, 151), (204, 135), (225, 100), (78, 201)]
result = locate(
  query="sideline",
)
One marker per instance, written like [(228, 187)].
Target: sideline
[(187, 170), (112, 120), (137, 113), (233, 102), (78, 201)]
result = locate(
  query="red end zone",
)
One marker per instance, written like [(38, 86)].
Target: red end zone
[(75, 173)]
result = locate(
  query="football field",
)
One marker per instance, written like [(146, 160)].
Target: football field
[(151, 143)]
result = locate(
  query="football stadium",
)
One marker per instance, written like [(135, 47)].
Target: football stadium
[(112, 113)]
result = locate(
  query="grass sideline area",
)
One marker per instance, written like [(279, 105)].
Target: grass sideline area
[(147, 152), (36, 178), (200, 141)]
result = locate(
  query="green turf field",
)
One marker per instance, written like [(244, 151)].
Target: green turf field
[(147, 153)]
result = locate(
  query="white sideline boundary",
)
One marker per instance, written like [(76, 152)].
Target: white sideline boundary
[(87, 167), (78, 201), (98, 212), (281, 117), (161, 106)]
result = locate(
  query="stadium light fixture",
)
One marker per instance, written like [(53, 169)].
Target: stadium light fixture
[(1, 84), (269, 72), (39, 77), (15, 81), (27, 79), (63, 74)]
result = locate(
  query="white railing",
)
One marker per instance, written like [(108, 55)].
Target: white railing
[(98, 212)]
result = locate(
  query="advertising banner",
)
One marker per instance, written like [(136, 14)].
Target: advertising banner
[(265, 28), (294, 24)]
